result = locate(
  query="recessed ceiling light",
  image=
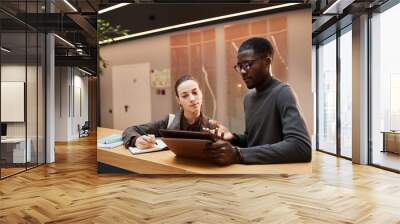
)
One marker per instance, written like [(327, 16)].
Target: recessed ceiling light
[(337, 7), (84, 71), (70, 5), (5, 50), (113, 7), (64, 40)]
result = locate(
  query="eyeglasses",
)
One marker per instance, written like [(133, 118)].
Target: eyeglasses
[(245, 65)]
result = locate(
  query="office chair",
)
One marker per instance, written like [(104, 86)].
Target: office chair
[(84, 130)]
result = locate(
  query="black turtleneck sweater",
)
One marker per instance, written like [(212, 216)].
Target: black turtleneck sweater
[(275, 129)]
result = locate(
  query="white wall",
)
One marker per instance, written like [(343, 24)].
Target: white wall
[(154, 50), (17, 73), (61, 103), (33, 127), (66, 121), (80, 118)]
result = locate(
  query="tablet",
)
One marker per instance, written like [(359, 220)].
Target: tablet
[(186, 134), (188, 148)]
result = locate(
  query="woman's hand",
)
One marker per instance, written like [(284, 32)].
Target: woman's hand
[(145, 142), (220, 131)]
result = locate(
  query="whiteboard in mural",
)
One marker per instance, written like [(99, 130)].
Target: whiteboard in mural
[(12, 101)]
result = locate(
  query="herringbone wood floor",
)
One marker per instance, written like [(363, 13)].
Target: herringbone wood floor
[(70, 191)]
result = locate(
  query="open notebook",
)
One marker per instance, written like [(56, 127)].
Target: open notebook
[(160, 145)]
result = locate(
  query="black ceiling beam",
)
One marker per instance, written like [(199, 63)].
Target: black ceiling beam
[(91, 5), (8, 24), (86, 27), (50, 22), (62, 22), (86, 51), (77, 61), (334, 25)]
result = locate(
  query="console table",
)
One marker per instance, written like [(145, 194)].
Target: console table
[(13, 150), (391, 141)]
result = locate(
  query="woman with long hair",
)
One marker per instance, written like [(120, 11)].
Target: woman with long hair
[(190, 117)]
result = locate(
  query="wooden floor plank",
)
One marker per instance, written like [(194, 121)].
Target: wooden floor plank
[(71, 191)]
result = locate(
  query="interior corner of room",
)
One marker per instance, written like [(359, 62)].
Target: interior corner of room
[(48, 79)]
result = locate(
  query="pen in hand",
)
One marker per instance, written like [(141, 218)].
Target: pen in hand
[(146, 141), (152, 139)]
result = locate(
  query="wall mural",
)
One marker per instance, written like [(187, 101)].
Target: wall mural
[(194, 52), (275, 30)]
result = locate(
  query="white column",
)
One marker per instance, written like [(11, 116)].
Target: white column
[(314, 95), (50, 100), (360, 90)]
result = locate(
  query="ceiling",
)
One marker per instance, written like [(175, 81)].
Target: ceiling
[(144, 15), (328, 16), (79, 27), (149, 15), (76, 24)]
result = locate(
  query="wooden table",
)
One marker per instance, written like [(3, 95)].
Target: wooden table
[(165, 162)]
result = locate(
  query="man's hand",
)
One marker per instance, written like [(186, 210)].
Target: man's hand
[(220, 131), (145, 142), (222, 153)]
